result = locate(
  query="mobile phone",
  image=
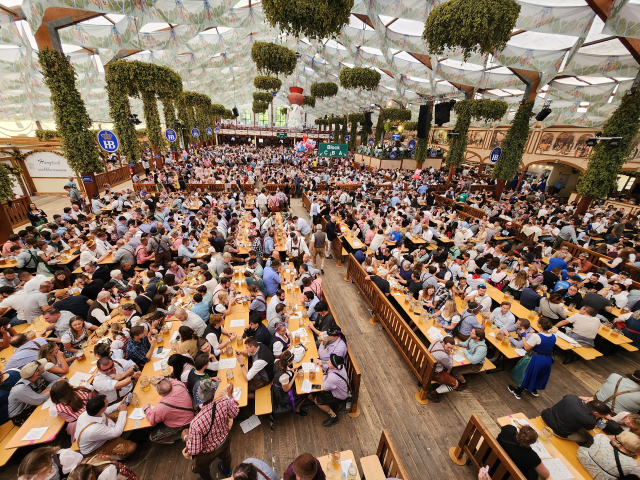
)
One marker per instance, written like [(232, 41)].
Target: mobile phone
[(486, 469), (127, 399), (314, 387), (160, 348)]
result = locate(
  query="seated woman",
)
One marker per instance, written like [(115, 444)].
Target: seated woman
[(61, 280), (213, 333), (68, 403), (222, 304), (188, 341), (77, 334), (517, 444), (282, 390), (57, 363), (611, 457), (629, 323), (281, 339), (182, 365), (428, 298), (518, 284), (449, 316)]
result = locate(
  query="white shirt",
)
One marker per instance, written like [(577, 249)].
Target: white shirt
[(273, 303), (105, 385), (297, 248), (97, 435), (257, 366), (86, 257), (484, 301), (195, 323), (33, 285), (99, 314)]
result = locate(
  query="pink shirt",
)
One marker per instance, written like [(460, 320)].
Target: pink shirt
[(170, 416), (369, 235)]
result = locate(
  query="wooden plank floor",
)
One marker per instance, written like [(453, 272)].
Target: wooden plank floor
[(422, 433)]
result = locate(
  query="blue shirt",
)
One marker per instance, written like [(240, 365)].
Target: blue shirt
[(267, 245), (360, 257), (561, 285), (202, 310), (394, 200), (395, 236), (422, 189), (530, 299), (556, 262), (271, 281)]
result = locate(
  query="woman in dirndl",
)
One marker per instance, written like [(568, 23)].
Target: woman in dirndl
[(533, 370)]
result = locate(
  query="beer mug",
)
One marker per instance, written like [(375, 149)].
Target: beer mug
[(80, 355), (312, 374), (135, 401), (144, 383), (505, 340), (352, 472), (335, 459), (229, 350), (546, 434), (166, 369), (229, 375), (300, 376)]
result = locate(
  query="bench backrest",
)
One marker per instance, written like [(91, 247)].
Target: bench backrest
[(389, 458)]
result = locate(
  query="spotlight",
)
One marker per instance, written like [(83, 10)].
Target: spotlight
[(591, 142), (613, 141), (133, 119), (545, 112), (453, 134)]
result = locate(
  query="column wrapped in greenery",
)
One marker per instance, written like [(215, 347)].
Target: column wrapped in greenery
[(354, 119), (392, 115), (514, 143), (604, 161), (489, 110), (422, 144), (152, 119), (185, 118), (169, 110), (72, 121), (119, 111)]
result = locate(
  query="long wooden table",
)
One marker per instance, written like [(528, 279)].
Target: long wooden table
[(564, 450)]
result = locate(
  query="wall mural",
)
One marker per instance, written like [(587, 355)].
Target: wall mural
[(440, 137), (546, 140), (564, 143), (476, 138), (498, 138)]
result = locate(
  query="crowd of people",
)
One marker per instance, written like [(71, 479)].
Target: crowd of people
[(137, 252)]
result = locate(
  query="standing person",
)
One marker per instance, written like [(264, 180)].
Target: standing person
[(318, 242), (532, 372), (208, 435)]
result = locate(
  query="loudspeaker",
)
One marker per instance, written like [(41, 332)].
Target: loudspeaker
[(235, 111), (367, 122), (544, 113), (442, 113), (423, 120)]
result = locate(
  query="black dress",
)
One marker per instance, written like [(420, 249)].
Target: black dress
[(524, 457)]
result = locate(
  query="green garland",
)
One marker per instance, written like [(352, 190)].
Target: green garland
[(474, 26), (263, 97), (354, 119), (44, 135), (169, 110), (390, 114), (316, 20), (8, 179), (322, 122), (422, 146), (488, 110), (260, 107), (72, 121), (324, 89), (272, 58), (309, 101), (514, 143), (263, 82), (358, 77), (152, 118), (604, 162)]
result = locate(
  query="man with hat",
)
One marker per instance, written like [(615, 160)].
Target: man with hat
[(208, 435), (335, 389), (619, 393), (469, 321), (31, 390), (305, 467)]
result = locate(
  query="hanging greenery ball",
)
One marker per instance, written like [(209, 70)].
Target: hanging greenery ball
[(263, 82), (472, 26), (217, 110), (262, 97), (315, 19), (324, 89), (272, 58), (322, 122), (260, 107), (358, 77), (309, 101)]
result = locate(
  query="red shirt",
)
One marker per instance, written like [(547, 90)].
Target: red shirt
[(170, 416)]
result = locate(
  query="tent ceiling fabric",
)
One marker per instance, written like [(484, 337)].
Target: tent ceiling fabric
[(583, 67)]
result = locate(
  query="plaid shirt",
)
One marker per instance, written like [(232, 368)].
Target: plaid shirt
[(226, 408), (137, 351), (257, 246), (443, 294)]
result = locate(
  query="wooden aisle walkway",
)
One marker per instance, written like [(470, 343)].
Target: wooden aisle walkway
[(422, 433)]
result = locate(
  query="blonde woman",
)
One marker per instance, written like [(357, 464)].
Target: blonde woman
[(517, 284), (56, 361), (449, 316), (222, 304)]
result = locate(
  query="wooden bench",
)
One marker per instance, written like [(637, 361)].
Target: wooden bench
[(7, 431), (628, 347), (385, 463), (263, 400), (586, 353), (481, 448), (488, 365)]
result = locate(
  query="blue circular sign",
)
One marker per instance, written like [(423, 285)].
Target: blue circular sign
[(171, 135), (331, 136), (496, 153), (395, 136), (195, 132), (411, 145), (209, 131), (347, 137), (392, 154), (108, 141), (371, 141), (434, 153), (217, 130)]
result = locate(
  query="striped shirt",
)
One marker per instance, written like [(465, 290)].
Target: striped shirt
[(65, 412)]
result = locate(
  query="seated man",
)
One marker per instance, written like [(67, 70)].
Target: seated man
[(335, 388), (97, 434), (475, 351), (258, 330), (25, 351), (442, 351), (584, 326), (469, 321), (619, 393), (529, 298), (381, 281), (172, 414), (31, 390), (572, 417), (261, 362), (115, 378), (323, 322), (139, 348), (502, 316)]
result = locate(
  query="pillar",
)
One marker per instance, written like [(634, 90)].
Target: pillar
[(583, 205), (500, 184), (90, 186), (452, 170)]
